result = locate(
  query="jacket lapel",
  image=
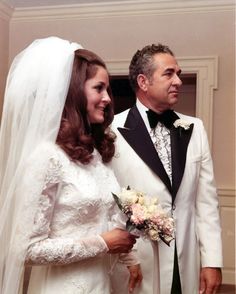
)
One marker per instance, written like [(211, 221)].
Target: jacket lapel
[(179, 144), (137, 136)]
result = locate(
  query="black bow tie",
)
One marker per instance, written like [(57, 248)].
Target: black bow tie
[(167, 118)]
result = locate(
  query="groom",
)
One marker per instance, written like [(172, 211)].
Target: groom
[(166, 154)]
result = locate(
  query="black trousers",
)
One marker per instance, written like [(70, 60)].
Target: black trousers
[(176, 284)]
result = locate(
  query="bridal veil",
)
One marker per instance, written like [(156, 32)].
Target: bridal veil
[(35, 94)]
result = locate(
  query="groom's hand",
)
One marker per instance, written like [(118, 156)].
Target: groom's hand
[(119, 241), (210, 280)]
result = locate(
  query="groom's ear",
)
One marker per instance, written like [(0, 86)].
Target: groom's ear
[(143, 82)]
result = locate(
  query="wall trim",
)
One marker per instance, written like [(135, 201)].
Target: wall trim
[(119, 9), (5, 11), (228, 276), (227, 212), (229, 192), (206, 69), (227, 198)]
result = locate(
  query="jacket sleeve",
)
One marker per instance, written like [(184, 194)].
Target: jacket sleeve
[(207, 210)]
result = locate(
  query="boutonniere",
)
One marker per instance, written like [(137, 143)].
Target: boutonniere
[(182, 125)]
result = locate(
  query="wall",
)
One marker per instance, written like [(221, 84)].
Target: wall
[(5, 14), (190, 28), (195, 32)]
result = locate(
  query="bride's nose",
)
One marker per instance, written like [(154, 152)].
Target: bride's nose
[(106, 98)]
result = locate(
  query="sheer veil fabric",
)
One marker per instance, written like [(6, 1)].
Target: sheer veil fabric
[(35, 94)]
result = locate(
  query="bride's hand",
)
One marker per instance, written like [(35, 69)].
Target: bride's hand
[(119, 241), (136, 276)]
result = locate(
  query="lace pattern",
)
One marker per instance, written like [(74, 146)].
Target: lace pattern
[(72, 209), (70, 216), (65, 251), (73, 286)]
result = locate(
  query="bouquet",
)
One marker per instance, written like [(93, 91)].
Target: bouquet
[(146, 215)]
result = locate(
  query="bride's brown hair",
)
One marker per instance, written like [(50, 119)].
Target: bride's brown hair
[(76, 136)]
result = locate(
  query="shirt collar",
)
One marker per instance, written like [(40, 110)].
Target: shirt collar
[(142, 110)]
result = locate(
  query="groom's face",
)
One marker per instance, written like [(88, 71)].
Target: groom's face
[(163, 87)]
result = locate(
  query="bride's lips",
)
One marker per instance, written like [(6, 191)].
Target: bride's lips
[(101, 108)]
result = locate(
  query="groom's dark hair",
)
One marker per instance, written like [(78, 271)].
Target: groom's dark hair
[(142, 62)]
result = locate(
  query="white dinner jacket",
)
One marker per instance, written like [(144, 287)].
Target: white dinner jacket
[(191, 198)]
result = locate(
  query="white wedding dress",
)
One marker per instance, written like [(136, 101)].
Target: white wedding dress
[(66, 250)]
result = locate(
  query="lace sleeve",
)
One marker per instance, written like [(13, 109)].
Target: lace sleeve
[(64, 251), (43, 249)]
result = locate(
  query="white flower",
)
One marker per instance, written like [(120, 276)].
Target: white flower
[(146, 215), (130, 196), (153, 234), (182, 123)]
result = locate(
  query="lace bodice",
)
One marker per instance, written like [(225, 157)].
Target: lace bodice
[(74, 208)]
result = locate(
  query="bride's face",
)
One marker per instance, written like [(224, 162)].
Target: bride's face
[(97, 96)]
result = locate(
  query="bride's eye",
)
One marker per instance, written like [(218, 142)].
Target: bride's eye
[(99, 88)]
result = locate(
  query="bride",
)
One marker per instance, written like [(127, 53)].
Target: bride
[(56, 208)]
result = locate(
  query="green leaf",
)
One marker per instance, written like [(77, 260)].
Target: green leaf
[(117, 200), (130, 226), (164, 240)]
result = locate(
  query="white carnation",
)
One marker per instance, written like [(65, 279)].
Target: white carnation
[(182, 123)]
